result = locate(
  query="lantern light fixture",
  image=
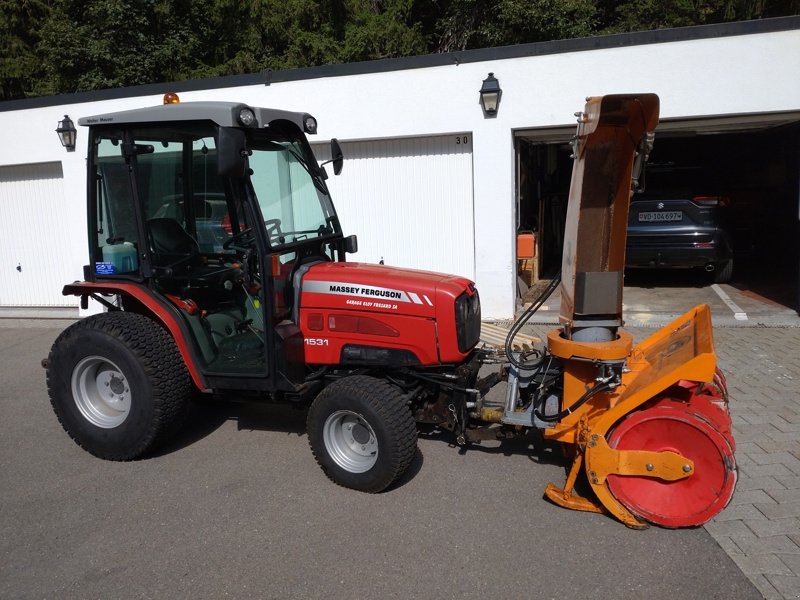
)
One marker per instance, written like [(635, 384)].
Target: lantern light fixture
[(67, 133), (490, 95)]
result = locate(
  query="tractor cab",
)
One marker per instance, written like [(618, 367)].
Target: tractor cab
[(214, 207)]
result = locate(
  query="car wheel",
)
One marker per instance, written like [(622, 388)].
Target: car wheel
[(723, 272)]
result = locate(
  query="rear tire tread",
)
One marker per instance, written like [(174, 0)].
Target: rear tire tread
[(153, 348)]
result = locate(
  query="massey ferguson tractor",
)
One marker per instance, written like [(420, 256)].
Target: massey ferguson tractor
[(217, 252)]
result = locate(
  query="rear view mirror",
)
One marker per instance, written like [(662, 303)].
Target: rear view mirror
[(232, 152), (351, 244), (337, 158)]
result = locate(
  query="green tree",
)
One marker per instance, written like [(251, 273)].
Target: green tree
[(382, 29), (19, 66), (62, 46), (481, 23), (646, 15), (281, 34), (89, 45), (743, 10)]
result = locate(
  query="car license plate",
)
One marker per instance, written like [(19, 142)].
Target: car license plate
[(664, 215)]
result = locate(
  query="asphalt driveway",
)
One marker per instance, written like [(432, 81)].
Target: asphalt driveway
[(237, 507)]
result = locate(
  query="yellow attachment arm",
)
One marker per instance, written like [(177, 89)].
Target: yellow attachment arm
[(602, 461)]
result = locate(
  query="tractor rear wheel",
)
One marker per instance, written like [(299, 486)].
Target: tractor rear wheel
[(362, 433), (117, 384), (674, 426)]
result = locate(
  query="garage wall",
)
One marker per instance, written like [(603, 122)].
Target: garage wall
[(35, 241), (409, 200)]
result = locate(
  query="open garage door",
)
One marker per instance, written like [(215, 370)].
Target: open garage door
[(34, 257), (409, 200), (752, 161)]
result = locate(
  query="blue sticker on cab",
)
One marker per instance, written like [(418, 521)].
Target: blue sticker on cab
[(104, 268)]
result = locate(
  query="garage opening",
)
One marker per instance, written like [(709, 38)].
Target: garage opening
[(750, 164)]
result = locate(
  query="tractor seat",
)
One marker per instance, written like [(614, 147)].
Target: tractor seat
[(170, 242), (177, 255)]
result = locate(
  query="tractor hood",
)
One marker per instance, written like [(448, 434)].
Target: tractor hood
[(366, 287), (361, 314)]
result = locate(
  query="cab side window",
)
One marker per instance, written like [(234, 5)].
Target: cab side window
[(115, 220)]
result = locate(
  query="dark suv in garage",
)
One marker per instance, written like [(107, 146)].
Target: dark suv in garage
[(680, 231)]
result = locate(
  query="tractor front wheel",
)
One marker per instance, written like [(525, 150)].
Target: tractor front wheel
[(362, 433), (117, 384)]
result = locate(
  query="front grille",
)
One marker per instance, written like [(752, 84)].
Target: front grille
[(468, 320)]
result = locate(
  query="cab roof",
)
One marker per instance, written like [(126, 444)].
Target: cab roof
[(225, 114)]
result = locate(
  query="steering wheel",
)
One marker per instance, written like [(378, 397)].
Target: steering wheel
[(243, 240), (273, 227)]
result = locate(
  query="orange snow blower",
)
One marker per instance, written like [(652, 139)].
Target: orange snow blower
[(649, 424)]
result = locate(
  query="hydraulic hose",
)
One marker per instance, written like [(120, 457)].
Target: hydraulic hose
[(600, 387), (523, 318)]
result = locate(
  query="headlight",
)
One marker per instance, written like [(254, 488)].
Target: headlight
[(309, 124), (247, 117), (468, 321)]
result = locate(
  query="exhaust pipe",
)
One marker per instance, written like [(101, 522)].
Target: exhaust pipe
[(710, 267)]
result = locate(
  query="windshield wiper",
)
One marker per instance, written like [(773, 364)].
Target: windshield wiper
[(320, 231), (304, 163)]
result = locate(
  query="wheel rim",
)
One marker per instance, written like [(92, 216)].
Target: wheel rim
[(687, 502), (350, 441), (101, 392)]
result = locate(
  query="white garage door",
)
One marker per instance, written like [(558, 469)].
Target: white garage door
[(409, 200), (35, 249)]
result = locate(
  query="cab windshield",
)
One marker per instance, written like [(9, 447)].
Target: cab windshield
[(288, 188)]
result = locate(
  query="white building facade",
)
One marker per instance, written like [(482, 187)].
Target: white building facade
[(429, 181)]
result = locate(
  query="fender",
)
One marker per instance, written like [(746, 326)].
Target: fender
[(162, 311)]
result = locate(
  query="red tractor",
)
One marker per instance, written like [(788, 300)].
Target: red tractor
[(216, 249)]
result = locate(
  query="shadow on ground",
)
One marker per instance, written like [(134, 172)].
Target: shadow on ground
[(206, 416)]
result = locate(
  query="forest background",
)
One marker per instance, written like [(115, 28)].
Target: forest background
[(63, 46)]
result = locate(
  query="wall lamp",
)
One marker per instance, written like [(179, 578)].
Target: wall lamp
[(67, 133), (490, 95)]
